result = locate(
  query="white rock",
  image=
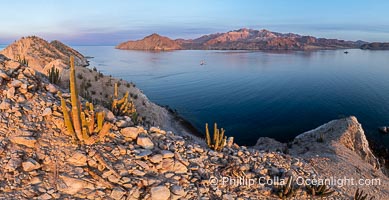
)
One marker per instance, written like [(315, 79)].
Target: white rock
[(167, 154), (177, 190), (157, 130), (16, 83), (30, 165), (179, 168), (26, 141), (13, 164), (156, 158), (109, 116), (73, 185), (117, 193), (145, 142), (47, 112), (132, 132), (10, 92), (160, 193), (5, 105), (78, 159), (4, 75), (51, 88)]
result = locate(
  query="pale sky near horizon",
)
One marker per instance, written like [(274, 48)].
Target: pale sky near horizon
[(102, 22)]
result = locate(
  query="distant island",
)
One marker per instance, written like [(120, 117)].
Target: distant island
[(376, 46), (242, 39)]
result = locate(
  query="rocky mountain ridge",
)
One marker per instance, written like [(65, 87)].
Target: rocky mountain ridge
[(152, 42), (242, 39), (41, 55)]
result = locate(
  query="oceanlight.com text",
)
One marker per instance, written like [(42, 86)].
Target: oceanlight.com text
[(331, 181)]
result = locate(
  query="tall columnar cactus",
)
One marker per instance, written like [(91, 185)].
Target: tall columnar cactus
[(76, 115), (123, 106), (53, 75), (219, 140), (82, 124)]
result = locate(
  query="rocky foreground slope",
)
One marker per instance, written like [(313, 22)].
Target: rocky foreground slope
[(39, 161), (242, 39)]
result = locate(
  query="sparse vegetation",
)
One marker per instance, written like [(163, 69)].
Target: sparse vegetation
[(359, 195), (319, 190), (53, 75), (287, 191), (123, 106), (23, 61), (82, 124), (320, 139), (218, 140)]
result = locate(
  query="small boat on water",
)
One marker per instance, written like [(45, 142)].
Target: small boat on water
[(202, 62), (346, 52)]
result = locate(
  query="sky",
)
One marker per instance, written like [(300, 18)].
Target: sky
[(103, 22)]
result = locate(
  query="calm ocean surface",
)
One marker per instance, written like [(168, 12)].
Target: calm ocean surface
[(253, 94)]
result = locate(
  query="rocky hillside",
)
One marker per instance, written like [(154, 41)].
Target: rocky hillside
[(376, 46), (38, 160), (337, 149), (152, 42), (42, 55), (244, 39)]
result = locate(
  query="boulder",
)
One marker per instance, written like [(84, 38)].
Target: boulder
[(16, 83), (5, 105), (26, 141), (160, 193), (78, 159), (47, 112), (117, 193), (145, 142), (30, 165), (131, 132), (51, 88), (73, 185)]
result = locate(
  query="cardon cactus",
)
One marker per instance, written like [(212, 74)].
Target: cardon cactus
[(123, 106), (53, 75), (359, 195), (219, 140), (82, 123), (319, 190), (287, 191)]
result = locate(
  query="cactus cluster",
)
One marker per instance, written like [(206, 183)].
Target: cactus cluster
[(319, 190), (219, 140), (53, 75), (123, 106), (82, 124), (320, 139), (23, 61), (287, 190), (359, 195)]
